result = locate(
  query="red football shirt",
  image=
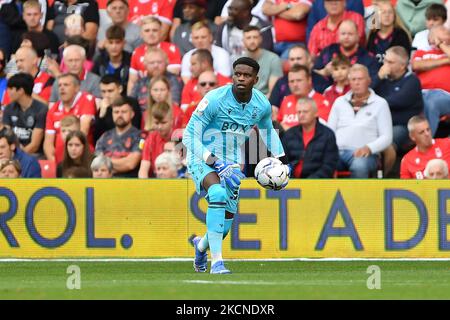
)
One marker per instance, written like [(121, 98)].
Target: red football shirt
[(163, 9), (153, 147), (42, 87), (83, 105), (307, 137), (322, 37), (332, 93), (190, 95), (287, 114), (414, 162), (137, 58), (288, 30), (433, 79)]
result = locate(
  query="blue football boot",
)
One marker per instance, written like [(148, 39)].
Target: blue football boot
[(201, 258)]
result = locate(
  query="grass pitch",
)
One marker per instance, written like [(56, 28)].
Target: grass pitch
[(260, 280)]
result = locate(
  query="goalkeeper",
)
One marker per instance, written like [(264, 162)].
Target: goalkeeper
[(213, 138)]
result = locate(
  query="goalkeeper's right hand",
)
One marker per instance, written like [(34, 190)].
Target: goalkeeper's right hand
[(229, 172)]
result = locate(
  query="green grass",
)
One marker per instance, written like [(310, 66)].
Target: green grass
[(250, 280)]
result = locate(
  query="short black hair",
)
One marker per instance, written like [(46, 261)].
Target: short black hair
[(248, 62), (22, 81), (110, 78)]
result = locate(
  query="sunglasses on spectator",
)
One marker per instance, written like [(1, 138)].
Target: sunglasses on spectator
[(203, 84)]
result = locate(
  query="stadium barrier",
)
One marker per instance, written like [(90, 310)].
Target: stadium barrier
[(53, 218)]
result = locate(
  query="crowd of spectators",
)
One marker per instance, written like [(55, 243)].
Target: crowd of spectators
[(102, 89)]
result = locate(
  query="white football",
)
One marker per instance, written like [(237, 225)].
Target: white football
[(271, 174)]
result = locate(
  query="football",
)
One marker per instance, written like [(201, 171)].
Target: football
[(272, 174)]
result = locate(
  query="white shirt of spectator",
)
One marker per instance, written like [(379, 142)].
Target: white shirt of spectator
[(221, 60)]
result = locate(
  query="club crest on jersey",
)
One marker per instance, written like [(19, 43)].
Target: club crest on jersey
[(255, 112)]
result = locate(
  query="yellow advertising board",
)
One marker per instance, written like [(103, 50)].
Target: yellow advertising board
[(155, 218)]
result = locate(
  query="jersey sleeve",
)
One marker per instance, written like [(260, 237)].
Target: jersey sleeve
[(41, 118), (147, 150), (268, 133), (91, 13), (201, 118), (49, 123), (88, 107)]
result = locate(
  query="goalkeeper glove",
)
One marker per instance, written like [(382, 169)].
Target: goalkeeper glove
[(229, 172)]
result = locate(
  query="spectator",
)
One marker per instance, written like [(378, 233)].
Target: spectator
[(111, 89), (298, 54), (113, 59), (28, 62), (102, 167), (34, 40), (326, 31), (74, 57), (202, 38), (273, 70), (402, 91), (121, 144), (389, 32), (156, 63), (79, 41), (230, 34), (117, 11), (193, 11), (432, 67), (33, 15), (25, 115), (362, 123), (348, 46), (318, 12), (289, 20), (159, 91), (10, 169), (340, 66), (201, 60), (300, 84), (166, 166), (87, 9), (207, 81), (160, 9), (10, 150), (412, 13), (72, 102), (151, 36), (310, 146), (414, 162), (436, 169), (162, 119), (435, 15), (76, 154)]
